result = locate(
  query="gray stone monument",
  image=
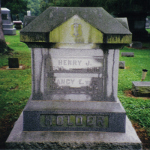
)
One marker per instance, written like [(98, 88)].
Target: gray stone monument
[(28, 13), (141, 89), (121, 64), (27, 20), (18, 24), (7, 24), (13, 62), (137, 45), (127, 54), (74, 104)]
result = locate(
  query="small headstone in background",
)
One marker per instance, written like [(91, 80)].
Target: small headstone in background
[(141, 89), (127, 54), (13, 62), (7, 24), (147, 23), (18, 24), (27, 20), (29, 13), (121, 64), (136, 45)]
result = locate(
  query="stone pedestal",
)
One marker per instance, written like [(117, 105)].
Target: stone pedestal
[(74, 102), (63, 140)]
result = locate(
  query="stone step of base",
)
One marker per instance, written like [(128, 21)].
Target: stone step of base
[(7, 25), (8, 31), (19, 139), (74, 116)]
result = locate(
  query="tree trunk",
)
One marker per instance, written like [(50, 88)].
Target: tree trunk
[(3, 46)]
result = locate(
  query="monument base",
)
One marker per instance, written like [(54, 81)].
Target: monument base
[(8, 31), (19, 139), (55, 115)]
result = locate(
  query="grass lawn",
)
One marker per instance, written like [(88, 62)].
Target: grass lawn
[(15, 86), (148, 31)]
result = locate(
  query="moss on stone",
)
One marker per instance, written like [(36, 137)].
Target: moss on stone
[(75, 30), (57, 25)]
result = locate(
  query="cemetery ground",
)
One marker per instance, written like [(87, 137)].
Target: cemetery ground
[(15, 88)]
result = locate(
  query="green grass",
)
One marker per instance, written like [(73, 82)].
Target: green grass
[(137, 109), (148, 31), (15, 85)]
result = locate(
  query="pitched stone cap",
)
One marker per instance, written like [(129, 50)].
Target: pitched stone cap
[(124, 22), (5, 9), (27, 20), (103, 27)]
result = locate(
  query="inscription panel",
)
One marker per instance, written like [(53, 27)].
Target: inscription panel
[(75, 121), (71, 64), (4, 17), (73, 77)]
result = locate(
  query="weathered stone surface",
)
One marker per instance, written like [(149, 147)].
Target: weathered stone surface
[(114, 31), (19, 139), (127, 54), (27, 20), (74, 116), (136, 45), (124, 22), (121, 64), (75, 57), (141, 88), (75, 74)]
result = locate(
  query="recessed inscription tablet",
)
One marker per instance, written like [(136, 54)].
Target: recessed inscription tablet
[(74, 77), (74, 121), (4, 17)]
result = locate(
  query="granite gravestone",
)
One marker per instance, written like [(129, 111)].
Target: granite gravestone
[(136, 45), (27, 20), (121, 64), (13, 62), (7, 24), (141, 89), (75, 57), (29, 13), (127, 54), (18, 24)]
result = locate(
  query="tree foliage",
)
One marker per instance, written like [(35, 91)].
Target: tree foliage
[(112, 6), (34, 7), (16, 7)]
